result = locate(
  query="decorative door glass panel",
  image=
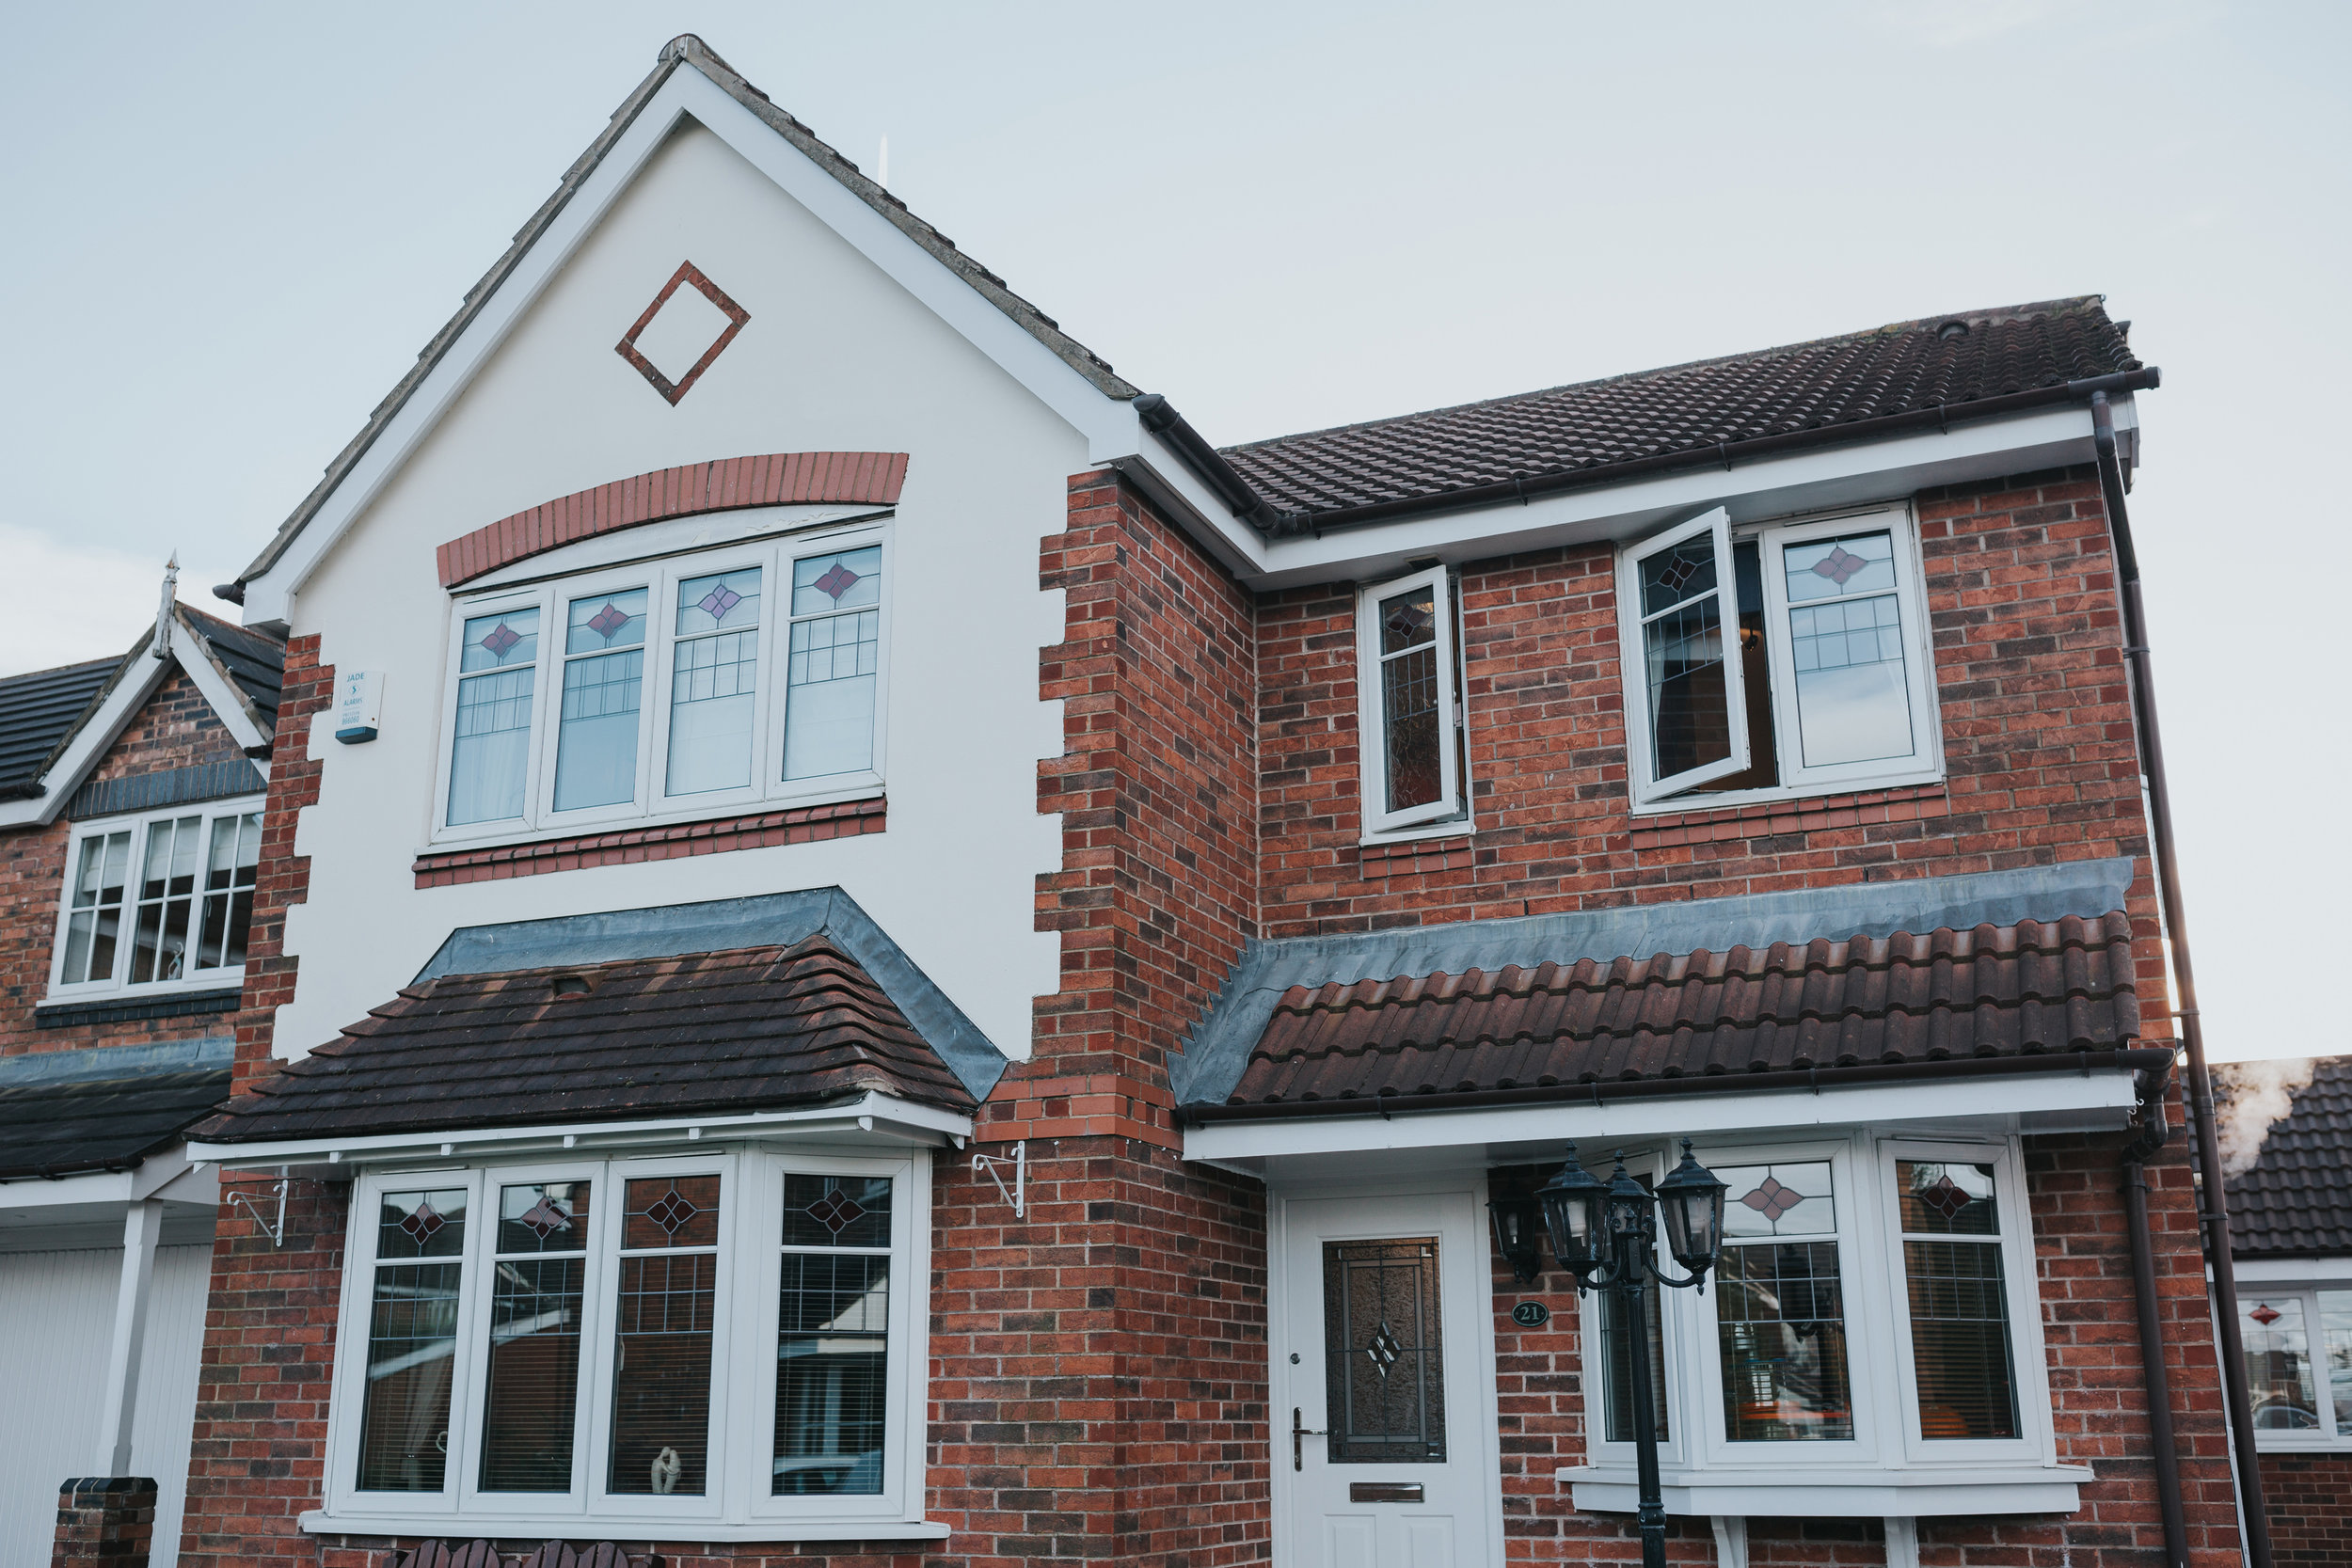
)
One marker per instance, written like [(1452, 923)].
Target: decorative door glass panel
[(94, 919), (2278, 1363), (1683, 649), (1408, 698), (1960, 1345), (666, 1314), (835, 663), (1779, 1309), (531, 1382), (1384, 1359), (604, 678), (412, 1340), (490, 755), (231, 865), (833, 1346), (714, 681), (1846, 640)]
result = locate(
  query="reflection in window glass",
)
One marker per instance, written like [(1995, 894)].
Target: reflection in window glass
[(2278, 1363), (490, 757), (412, 1340), (666, 1316), (1780, 1311), (1408, 698), (2335, 1328), (1683, 648), (1959, 1299), (714, 680), (834, 665), (229, 870), (833, 1343), (531, 1382), (159, 951), (604, 676), (1846, 644), (94, 919), (1617, 1349)]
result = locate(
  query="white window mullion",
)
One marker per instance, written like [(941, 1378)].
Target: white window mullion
[(1408, 671), (1678, 606)]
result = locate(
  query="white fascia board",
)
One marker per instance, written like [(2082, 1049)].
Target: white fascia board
[(557, 1525), (227, 700), (1842, 1494), (2044, 1102), (2272, 1271), (98, 1186), (1817, 479), (1109, 424), (88, 744), (867, 1114)]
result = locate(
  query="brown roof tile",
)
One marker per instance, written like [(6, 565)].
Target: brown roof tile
[(757, 1028), (2017, 990)]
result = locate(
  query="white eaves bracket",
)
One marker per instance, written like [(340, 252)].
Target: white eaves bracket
[(992, 1165), (275, 1232)]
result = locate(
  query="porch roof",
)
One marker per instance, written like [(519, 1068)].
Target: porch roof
[(68, 1112)]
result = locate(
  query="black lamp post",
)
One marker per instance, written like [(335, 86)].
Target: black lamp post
[(1606, 1233)]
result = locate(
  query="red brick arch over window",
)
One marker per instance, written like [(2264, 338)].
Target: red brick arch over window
[(722, 484)]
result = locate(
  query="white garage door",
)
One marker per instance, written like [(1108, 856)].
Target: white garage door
[(57, 1311)]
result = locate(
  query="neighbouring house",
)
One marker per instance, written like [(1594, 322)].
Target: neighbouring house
[(131, 793), (867, 950), (2290, 1217)]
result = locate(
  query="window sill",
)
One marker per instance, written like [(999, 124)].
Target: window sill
[(1838, 1492), (125, 1006), (1656, 828), (1453, 826), (577, 1527), (625, 843)]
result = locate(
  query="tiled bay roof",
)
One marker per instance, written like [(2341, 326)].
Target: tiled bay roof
[(2028, 989), (1938, 366), (2296, 1202), (39, 710), (760, 1028), (53, 1129)]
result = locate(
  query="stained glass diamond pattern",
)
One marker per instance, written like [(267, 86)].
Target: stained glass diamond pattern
[(1772, 1200), (837, 581), (2264, 1315), (1839, 565), (1383, 1348), (499, 638), (671, 1211), (605, 622), (1946, 1198), (836, 1211), (424, 1220), (1679, 571), (721, 599), (546, 1217)]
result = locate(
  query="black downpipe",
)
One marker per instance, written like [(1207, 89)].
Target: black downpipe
[(2155, 1131), (2215, 1218)]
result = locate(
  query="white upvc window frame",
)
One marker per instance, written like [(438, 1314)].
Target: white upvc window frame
[(1879, 1371), (1675, 1401), (651, 804), (2306, 1281), (117, 982), (1679, 792), (738, 1502), (1450, 812)]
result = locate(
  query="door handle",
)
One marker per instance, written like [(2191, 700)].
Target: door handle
[(1299, 1433)]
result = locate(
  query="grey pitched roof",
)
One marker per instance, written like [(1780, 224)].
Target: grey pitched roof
[(38, 712), (254, 661), (71, 1112), (686, 48), (2296, 1200), (1928, 371)]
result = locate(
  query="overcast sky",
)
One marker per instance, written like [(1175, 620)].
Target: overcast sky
[(231, 228)]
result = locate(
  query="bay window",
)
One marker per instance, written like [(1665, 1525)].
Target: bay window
[(1414, 759), (677, 689), (1778, 660), (710, 1341), (158, 903), (2297, 1337)]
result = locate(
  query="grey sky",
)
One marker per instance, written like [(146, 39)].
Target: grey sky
[(231, 228)]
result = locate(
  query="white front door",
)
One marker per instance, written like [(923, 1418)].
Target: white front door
[(1384, 1422)]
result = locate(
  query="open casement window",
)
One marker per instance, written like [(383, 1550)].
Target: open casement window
[(1778, 660), (634, 1343), (669, 690), (1410, 702), (161, 902), (2298, 1362)]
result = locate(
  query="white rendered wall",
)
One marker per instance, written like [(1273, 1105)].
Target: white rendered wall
[(57, 1310), (835, 358)]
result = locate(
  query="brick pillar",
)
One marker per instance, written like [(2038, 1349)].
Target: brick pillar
[(104, 1519)]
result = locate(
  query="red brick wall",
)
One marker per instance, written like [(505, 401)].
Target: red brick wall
[(2308, 1497), (2098, 1398), (283, 879), (176, 728)]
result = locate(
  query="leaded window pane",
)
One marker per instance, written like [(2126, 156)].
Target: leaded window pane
[(412, 1340), (832, 670), (667, 1311), (1384, 1361), (2278, 1363), (714, 682), (490, 756), (531, 1381), (1616, 1351), (1684, 650), (1409, 707), (604, 678), (833, 1333), (1960, 1342), (1780, 1310), (1846, 646)]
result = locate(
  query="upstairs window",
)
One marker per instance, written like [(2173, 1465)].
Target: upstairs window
[(1787, 658), (158, 903), (675, 689), (1409, 706), (2298, 1361)]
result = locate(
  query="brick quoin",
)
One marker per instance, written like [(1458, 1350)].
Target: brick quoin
[(175, 728)]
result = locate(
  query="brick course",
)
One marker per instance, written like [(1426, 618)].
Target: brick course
[(2307, 1499)]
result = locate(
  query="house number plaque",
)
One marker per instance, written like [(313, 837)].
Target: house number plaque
[(1530, 1314)]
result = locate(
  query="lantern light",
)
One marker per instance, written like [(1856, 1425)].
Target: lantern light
[(1693, 1199), (1518, 1219), (1575, 1206)]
